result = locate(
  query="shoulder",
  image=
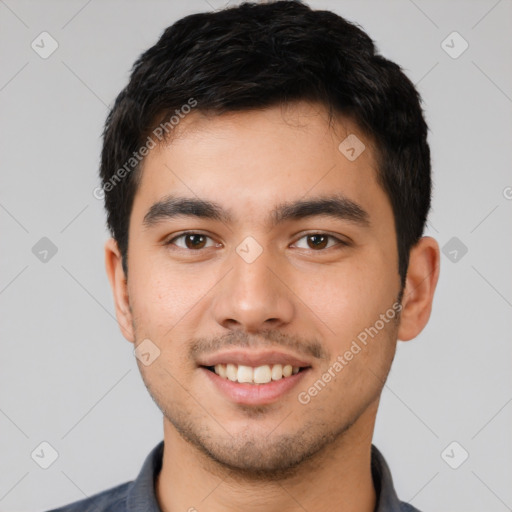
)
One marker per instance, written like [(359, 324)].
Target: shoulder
[(406, 507), (387, 499), (138, 494), (113, 500)]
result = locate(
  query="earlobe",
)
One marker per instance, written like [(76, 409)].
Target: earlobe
[(118, 283), (421, 281)]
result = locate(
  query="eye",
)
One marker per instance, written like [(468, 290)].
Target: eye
[(192, 241), (318, 241)]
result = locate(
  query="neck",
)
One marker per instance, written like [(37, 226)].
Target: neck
[(337, 479)]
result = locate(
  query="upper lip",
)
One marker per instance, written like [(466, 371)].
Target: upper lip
[(255, 359)]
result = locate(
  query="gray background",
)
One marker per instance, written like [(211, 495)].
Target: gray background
[(69, 378)]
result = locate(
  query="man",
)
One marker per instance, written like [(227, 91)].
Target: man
[(267, 181)]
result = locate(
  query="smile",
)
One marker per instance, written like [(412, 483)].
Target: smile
[(254, 375)]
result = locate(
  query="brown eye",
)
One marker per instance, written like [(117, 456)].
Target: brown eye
[(192, 241), (195, 241), (317, 241)]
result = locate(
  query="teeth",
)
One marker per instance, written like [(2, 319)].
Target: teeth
[(287, 370), (277, 371), (232, 372), (245, 374), (259, 375), (220, 369), (262, 374)]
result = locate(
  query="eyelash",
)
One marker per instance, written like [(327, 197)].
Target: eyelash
[(338, 241)]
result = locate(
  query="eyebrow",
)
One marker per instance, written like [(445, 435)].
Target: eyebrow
[(336, 206)]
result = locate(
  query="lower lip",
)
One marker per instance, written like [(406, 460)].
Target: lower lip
[(255, 394)]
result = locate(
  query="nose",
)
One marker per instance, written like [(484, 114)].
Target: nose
[(254, 296)]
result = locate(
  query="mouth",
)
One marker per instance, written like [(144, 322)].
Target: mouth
[(254, 378), (255, 375)]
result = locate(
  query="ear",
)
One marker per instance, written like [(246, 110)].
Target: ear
[(118, 283), (420, 285)]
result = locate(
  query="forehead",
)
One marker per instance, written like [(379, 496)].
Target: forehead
[(250, 159)]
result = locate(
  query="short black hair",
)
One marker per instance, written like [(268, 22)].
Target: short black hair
[(259, 55)]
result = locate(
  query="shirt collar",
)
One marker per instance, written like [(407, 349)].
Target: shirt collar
[(387, 499), (142, 494)]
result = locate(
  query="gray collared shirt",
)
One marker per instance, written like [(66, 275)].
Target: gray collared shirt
[(139, 495)]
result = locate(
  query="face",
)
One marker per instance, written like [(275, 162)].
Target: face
[(258, 249)]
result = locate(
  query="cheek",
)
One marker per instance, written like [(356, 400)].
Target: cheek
[(157, 299), (162, 304), (163, 295), (351, 296)]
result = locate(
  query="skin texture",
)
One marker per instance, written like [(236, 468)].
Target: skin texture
[(285, 455)]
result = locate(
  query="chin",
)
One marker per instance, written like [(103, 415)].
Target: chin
[(258, 456)]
